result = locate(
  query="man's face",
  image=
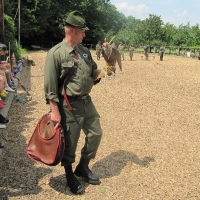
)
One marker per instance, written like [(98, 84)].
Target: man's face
[(79, 34)]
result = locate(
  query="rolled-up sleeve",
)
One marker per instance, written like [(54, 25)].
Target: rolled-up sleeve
[(51, 76)]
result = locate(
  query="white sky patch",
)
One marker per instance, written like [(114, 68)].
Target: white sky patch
[(181, 14), (182, 17), (138, 11), (175, 12)]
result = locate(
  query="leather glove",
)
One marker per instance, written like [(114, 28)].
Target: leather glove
[(98, 73)]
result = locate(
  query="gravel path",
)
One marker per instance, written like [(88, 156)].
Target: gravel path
[(150, 147)]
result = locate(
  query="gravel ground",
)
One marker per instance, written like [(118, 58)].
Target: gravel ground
[(150, 147)]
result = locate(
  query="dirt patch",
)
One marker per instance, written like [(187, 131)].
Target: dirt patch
[(150, 147)]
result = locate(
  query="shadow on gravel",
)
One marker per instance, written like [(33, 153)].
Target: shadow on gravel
[(58, 183), (116, 161), (16, 185), (105, 168)]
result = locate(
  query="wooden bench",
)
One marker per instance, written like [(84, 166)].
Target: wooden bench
[(35, 47), (9, 98), (149, 57)]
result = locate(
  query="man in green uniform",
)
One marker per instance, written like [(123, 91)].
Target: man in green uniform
[(113, 45), (121, 49), (83, 116), (131, 49), (162, 50), (146, 51), (98, 50)]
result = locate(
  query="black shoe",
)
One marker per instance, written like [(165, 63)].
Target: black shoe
[(74, 185), (87, 175), (72, 182), (1, 146), (3, 120)]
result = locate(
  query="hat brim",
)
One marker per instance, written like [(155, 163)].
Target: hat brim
[(83, 28)]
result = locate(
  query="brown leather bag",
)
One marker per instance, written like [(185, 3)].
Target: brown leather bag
[(46, 144)]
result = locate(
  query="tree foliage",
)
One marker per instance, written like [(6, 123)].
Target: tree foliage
[(43, 20)]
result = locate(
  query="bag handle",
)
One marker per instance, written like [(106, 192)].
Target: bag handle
[(69, 74)]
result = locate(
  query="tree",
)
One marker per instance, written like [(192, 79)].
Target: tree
[(34, 18), (152, 29), (195, 34), (169, 30), (182, 36), (43, 20)]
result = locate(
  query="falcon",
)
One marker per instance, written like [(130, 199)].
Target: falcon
[(111, 56)]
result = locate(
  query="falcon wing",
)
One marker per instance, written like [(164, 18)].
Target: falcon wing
[(118, 57)]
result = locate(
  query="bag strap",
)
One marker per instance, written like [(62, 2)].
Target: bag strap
[(69, 74)]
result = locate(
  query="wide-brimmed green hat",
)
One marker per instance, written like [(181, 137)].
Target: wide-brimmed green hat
[(76, 19)]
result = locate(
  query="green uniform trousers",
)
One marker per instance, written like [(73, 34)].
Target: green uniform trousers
[(161, 56), (131, 54), (83, 116), (122, 54), (98, 52), (146, 55)]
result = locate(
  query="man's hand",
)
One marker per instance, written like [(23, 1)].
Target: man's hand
[(56, 118), (55, 114)]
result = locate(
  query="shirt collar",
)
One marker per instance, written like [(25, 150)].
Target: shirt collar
[(69, 48)]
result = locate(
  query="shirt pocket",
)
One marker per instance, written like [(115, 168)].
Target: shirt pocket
[(67, 62)]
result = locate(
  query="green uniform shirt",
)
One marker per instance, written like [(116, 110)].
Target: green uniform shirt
[(121, 47), (131, 49), (98, 47), (162, 49), (58, 62), (146, 48), (113, 45)]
